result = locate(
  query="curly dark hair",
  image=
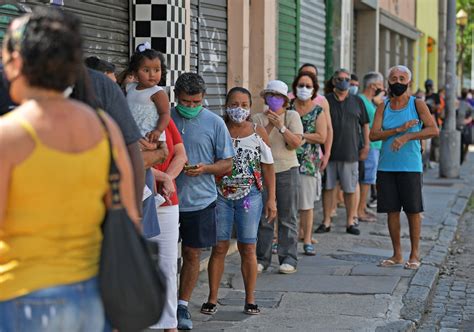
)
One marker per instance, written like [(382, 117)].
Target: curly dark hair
[(150, 54), (103, 66), (50, 44), (313, 78), (190, 84)]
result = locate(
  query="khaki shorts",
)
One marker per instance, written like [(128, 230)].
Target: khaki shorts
[(347, 173), (309, 191)]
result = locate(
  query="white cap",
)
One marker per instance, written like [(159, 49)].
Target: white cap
[(276, 86)]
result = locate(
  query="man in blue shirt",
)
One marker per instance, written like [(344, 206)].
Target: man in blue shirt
[(209, 149)]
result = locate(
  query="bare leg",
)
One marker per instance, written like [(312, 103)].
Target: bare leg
[(414, 223), (328, 202), (306, 219), (215, 269), (249, 270), (356, 202), (394, 230), (364, 190), (350, 202), (189, 272)]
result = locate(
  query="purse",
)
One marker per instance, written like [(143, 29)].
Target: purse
[(132, 288)]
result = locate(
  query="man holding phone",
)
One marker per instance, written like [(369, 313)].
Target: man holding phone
[(209, 149), (372, 96)]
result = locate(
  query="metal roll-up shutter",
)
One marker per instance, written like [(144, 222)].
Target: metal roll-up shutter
[(7, 13), (288, 39), (209, 49), (105, 27), (313, 34)]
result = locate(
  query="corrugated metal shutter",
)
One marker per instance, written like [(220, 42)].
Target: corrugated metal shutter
[(288, 36), (105, 28), (209, 48), (354, 43), (7, 13), (313, 34)]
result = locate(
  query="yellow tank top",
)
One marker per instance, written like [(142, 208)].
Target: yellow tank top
[(51, 234)]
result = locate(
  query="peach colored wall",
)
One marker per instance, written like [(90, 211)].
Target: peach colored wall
[(403, 9)]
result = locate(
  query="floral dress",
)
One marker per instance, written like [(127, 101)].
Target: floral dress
[(309, 155), (250, 152)]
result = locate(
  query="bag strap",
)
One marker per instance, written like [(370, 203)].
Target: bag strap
[(114, 173)]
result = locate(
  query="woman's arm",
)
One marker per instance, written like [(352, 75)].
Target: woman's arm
[(127, 192), (161, 101), (270, 208), (320, 136), (330, 135), (177, 163)]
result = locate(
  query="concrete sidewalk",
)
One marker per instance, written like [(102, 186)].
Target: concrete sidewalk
[(342, 288)]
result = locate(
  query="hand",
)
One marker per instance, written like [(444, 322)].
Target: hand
[(275, 120), (145, 145), (198, 170), (407, 125), (167, 188), (398, 143), (378, 99), (324, 162), (153, 136), (270, 210), (364, 153)]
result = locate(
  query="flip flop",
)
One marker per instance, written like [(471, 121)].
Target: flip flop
[(251, 309), (367, 219), (208, 308), (389, 263), (412, 265), (313, 240)]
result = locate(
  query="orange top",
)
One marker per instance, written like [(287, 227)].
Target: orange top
[(51, 232)]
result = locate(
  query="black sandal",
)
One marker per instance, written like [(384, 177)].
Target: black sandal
[(251, 309), (323, 229), (208, 308)]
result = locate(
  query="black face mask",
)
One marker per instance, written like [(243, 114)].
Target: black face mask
[(378, 91), (398, 89)]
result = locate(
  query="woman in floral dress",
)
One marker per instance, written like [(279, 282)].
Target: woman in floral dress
[(240, 200)]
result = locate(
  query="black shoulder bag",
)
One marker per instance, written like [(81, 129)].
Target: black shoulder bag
[(132, 288)]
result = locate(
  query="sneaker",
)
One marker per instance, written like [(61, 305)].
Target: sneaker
[(260, 268), (184, 318), (352, 230), (287, 269)]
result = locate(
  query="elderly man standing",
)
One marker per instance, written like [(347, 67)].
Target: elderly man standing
[(350, 144), (209, 148), (400, 123), (372, 95)]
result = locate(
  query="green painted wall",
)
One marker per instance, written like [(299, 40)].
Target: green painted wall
[(7, 13), (288, 39)]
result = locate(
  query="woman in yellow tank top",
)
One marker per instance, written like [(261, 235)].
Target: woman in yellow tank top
[(53, 182)]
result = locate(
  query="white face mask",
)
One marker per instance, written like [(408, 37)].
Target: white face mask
[(304, 93)]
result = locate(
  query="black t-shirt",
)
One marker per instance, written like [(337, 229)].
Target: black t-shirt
[(114, 103), (431, 101), (6, 104), (348, 117)]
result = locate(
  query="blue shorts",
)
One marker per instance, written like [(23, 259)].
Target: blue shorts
[(73, 307), (370, 167), (244, 213), (198, 228)]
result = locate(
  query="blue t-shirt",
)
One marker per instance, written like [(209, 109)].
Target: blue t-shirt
[(206, 140), (408, 158)]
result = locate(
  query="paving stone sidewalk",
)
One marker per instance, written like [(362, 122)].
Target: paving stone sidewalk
[(342, 288)]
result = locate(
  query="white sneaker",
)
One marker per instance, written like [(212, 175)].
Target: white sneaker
[(259, 268), (287, 269)]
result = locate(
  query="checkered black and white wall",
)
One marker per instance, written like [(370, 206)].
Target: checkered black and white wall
[(162, 24)]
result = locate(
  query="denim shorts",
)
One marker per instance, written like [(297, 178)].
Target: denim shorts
[(370, 165), (244, 213), (73, 307)]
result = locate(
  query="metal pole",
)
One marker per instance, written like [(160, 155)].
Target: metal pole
[(442, 43), (450, 138)]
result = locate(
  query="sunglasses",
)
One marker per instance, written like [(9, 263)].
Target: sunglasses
[(342, 79), (305, 86)]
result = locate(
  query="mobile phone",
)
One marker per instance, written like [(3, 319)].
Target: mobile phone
[(188, 167)]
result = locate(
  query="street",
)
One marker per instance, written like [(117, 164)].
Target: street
[(343, 289)]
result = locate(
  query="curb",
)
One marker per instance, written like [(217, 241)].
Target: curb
[(421, 285)]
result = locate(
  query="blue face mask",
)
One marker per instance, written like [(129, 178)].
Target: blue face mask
[(353, 89), (342, 85)]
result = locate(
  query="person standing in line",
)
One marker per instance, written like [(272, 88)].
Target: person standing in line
[(240, 202), (305, 87), (168, 215), (400, 123), (103, 66), (210, 151), (50, 252), (372, 96), (285, 131), (464, 118), (348, 117)]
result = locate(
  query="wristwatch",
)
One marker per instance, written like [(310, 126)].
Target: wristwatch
[(282, 130)]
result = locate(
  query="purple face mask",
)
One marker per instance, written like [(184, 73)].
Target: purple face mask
[(275, 102)]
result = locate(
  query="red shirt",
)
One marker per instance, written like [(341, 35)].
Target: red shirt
[(172, 138)]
